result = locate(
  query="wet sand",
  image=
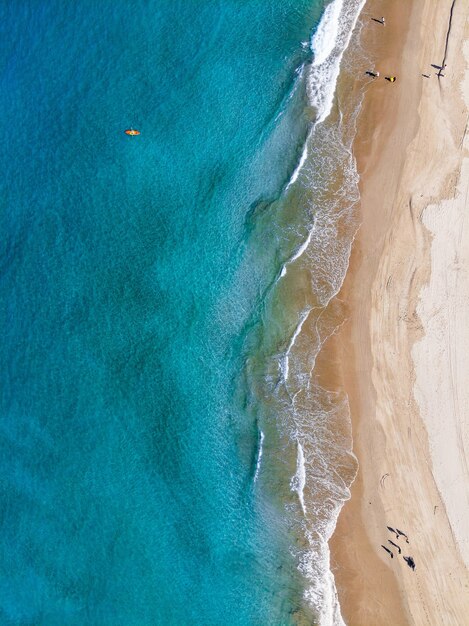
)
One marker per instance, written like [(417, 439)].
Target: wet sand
[(402, 355)]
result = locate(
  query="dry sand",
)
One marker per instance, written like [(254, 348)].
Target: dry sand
[(404, 353)]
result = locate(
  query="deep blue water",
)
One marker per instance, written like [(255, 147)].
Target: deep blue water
[(131, 275)]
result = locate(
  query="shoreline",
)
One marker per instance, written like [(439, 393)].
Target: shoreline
[(402, 174)]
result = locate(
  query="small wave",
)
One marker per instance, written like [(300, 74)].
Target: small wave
[(328, 45), (299, 479), (296, 255), (302, 248), (286, 357), (259, 455), (299, 74), (327, 33), (301, 162)]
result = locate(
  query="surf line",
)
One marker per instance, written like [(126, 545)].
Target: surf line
[(328, 44)]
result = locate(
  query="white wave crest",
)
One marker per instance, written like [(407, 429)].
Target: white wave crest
[(301, 162), (286, 357), (325, 38), (296, 255), (298, 81), (259, 455), (328, 45), (302, 248)]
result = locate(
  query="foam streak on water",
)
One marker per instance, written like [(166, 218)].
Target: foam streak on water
[(299, 479), (259, 455)]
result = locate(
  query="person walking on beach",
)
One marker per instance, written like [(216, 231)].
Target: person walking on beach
[(391, 529), (388, 551), (395, 545)]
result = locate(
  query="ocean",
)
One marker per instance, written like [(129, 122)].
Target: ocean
[(166, 456)]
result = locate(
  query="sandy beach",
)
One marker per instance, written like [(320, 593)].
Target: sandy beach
[(402, 356)]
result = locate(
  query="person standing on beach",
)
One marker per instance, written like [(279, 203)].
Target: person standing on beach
[(395, 545)]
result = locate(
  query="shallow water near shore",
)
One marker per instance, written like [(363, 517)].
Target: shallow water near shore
[(165, 455)]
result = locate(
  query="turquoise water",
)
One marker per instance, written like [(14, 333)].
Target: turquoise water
[(133, 277)]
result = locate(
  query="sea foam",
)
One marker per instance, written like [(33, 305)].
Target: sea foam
[(317, 418), (328, 45), (299, 479)]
